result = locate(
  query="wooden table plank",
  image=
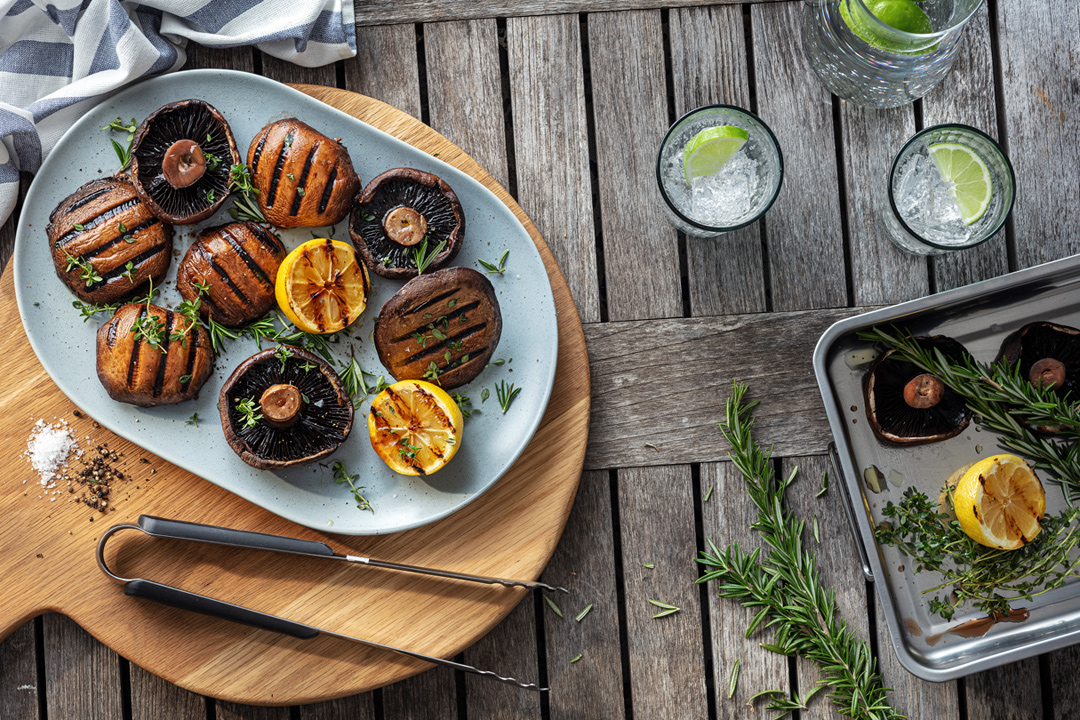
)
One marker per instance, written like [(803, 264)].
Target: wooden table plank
[(968, 96), (709, 66), (806, 248), (78, 668), (18, 670), (585, 564), (666, 655), (155, 699), (431, 695), (465, 92), (386, 67), (235, 711), (1009, 692), (509, 649), (551, 146), (881, 272), (1065, 693), (641, 253), (726, 518), (387, 12), (690, 364), (1041, 95), (354, 707)]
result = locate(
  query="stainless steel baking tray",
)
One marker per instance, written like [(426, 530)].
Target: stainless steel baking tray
[(979, 316)]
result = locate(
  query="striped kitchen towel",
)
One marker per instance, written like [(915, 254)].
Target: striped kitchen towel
[(59, 58)]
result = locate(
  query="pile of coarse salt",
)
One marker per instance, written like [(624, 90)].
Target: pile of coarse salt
[(48, 450)]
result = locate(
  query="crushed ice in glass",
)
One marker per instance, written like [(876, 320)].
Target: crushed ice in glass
[(926, 202)]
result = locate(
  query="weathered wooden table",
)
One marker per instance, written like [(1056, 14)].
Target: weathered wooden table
[(564, 103)]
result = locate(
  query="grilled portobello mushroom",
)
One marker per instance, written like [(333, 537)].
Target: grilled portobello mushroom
[(181, 160), (304, 178), (449, 319), (142, 361), (97, 231), (231, 270), (402, 214)]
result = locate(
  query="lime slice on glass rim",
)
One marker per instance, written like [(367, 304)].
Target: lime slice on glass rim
[(968, 178), (710, 149), (902, 15)]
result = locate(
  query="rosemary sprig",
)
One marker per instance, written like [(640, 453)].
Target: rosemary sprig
[(665, 608), (918, 529), (495, 268), (123, 153), (1002, 401), (506, 394), (423, 256), (244, 205), (355, 380), (784, 588), (341, 477)]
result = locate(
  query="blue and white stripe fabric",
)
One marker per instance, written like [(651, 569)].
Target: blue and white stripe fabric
[(59, 58)]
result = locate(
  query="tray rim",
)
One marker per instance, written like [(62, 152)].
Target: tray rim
[(1063, 267)]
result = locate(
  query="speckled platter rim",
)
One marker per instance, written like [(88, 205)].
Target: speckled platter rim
[(307, 496)]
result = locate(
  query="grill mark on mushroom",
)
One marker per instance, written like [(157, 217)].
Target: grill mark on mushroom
[(91, 223), (303, 178), (163, 361), (266, 239), (249, 261), (258, 152), (86, 199), (221, 273), (436, 320), (431, 352), (328, 190), (189, 366), (119, 270), (100, 249), (136, 347), (278, 167)]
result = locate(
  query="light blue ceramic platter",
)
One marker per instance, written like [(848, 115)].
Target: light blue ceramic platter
[(492, 441)]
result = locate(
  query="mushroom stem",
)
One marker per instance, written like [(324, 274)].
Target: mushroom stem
[(1048, 373), (184, 163), (281, 405), (405, 226), (923, 391)]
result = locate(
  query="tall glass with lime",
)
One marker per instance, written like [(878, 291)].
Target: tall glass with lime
[(950, 188), (883, 53), (719, 168)]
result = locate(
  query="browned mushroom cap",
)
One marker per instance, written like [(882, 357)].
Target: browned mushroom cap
[(147, 355), (263, 424), (180, 161), (403, 213), (106, 243), (449, 318), (906, 406), (304, 178), (231, 270)]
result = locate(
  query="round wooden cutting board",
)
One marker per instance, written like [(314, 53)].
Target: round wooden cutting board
[(48, 543)]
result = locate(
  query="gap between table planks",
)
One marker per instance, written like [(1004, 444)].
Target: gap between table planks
[(47, 550)]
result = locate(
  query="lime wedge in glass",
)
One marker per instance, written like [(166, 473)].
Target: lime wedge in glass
[(902, 15), (968, 176), (710, 149)]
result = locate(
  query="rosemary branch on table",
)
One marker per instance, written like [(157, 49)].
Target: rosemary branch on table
[(919, 529), (1002, 401), (784, 588)]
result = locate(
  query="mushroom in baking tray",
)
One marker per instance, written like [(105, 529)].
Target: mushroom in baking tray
[(105, 242), (147, 355), (1048, 355), (303, 178), (442, 326), (181, 158), (907, 406), (404, 214), (284, 407), (230, 269)]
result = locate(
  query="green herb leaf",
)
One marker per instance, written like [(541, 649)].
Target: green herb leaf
[(581, 615), (551, 604)]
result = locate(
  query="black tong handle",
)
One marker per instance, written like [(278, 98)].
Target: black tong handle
[(181, 530)]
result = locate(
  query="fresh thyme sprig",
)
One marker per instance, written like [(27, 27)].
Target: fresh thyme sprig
[(918, 529), (341, 477), (122, 152), (784, 588), (150, 327), (423, 256), (244, 205), (88, 310), (86, 269), (1002, 401), (249, 411)]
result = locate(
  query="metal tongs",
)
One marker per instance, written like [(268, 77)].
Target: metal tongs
[(186, 600)]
